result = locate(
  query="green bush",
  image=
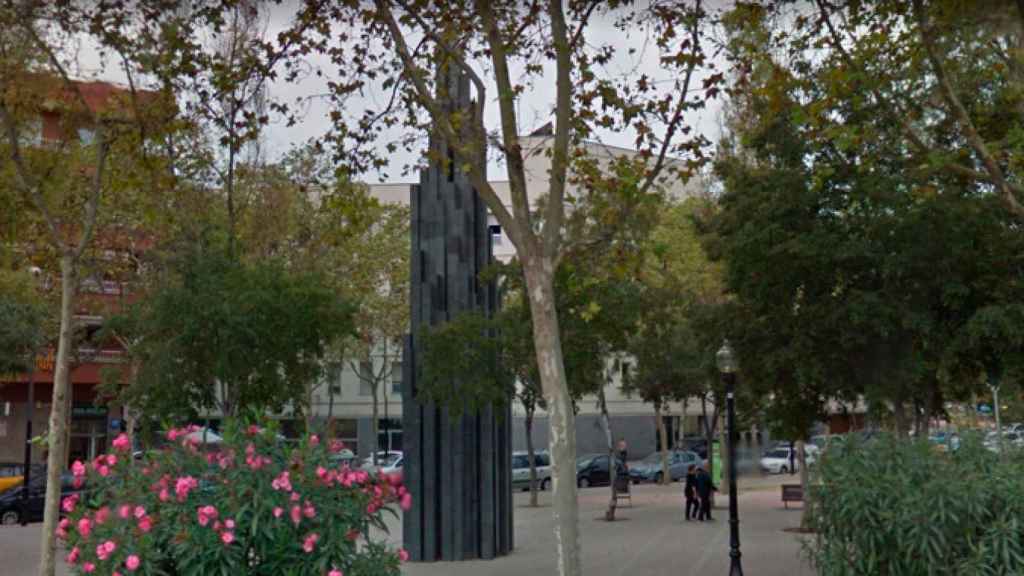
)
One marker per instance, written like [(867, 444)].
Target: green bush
[(254, 506), (892, 508)]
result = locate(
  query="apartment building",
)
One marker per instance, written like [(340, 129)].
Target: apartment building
[(92, 424)]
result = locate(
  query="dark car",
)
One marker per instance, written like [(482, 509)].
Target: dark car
[(12, 507), (593, 470), (697, 444)]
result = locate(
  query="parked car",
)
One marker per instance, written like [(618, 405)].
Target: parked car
[(779, 461), (697, 444), (388, 462), (593, 470), (11, 475), (649, 469), (1010, 440), (11, 505), (521, 470)]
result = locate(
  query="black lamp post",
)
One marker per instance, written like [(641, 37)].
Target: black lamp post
[(726, 360)]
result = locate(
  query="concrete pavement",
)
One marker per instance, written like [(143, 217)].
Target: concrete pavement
[(651, 538)]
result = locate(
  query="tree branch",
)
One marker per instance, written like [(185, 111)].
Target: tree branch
[(677, 115), (509, 123), (29, 188), (416, 75), (963, 118), (552, 232), (1007, 189), (92, 204)]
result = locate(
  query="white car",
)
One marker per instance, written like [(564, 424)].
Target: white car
[(777, 460), (387, 463), (521, 470)]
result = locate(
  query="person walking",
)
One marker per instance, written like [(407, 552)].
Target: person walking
[(690, 493), (704, 488)]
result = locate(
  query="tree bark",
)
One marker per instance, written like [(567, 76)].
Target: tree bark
[(606, 423), (659, 424), (57, 437), (561, 419), (528, 425), (801, 453), (899, 412)]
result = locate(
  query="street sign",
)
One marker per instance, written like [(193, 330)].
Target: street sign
[(985, 408)]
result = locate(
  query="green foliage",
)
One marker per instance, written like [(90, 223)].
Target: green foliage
[(23, 321), (903, 509), (858, 271), (257, 331), (252, 504)]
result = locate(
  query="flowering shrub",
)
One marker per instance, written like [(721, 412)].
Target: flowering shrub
[(256, 505)]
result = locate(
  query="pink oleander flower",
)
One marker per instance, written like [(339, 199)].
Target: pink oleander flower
[(335, 572), (104, 550), (73, 555), (227, 537), (139, 512), (111, 460), (406, 501), (282, 482), (296, 514), (78, 469), (145, 524), (69, 502), (336, 446), (124, 511), (85, 527), (308, 510), (229, 524), (403, 555), (102, 514), (184, 485), (121, 443), (132, 562), (310, 542), (205, 514), (62, 528), (295, 497), (314, 440), (252, 430), (394, 479), (278, 511), (217, 525), (321, 472), (88, 567), (164, 495), (103, 471)]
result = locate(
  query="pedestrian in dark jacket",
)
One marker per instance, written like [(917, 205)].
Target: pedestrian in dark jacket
[(704, 489), (690, 493)]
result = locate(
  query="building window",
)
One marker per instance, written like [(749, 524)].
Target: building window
[(396, 377), (496, 237), (365, 379), (86, 136)]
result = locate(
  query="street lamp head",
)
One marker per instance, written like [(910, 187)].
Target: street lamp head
[(726, 358)]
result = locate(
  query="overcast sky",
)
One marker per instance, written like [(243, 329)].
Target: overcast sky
[(535, 105)]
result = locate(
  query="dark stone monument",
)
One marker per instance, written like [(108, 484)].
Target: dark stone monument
[(458, 471)]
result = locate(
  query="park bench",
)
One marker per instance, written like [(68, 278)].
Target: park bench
[(792, 493), (622, 488)]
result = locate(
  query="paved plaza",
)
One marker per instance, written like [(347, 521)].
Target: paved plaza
[(650, 539)]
